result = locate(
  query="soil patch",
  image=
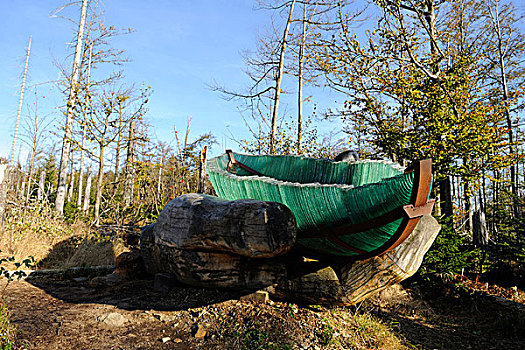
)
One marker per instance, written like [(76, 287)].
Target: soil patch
[(71, 314)]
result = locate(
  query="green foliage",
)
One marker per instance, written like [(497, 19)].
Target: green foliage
[(450, 254), (327, 333), (18, 274), (509, 242), (7, 330), (254, 339), (71, 212)]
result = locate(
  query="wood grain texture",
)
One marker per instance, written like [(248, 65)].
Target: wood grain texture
[(359, 280), (248, 228)]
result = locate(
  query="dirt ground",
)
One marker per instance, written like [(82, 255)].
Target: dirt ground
[(75, 314)]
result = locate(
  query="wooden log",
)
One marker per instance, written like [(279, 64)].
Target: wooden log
[(248, 228), (362, 279), (209, 269), (359, 280), (210, 242)]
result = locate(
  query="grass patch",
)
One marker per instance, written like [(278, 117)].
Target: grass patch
[(55, 243), (8, 332)]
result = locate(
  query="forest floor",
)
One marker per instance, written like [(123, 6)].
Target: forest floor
[(75, 313)]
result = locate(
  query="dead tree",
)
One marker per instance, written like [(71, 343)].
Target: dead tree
[(21, 100), (129, 169), (71, 104), (279, 79)]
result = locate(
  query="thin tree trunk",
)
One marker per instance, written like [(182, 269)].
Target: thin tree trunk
[(20, 101), (278, 81), (128, 185), (504, 86), (33, 152), (68, 131), (159, 179), (4, 173), (81, 166), (300, 87), (117, 149), (87, 193), (445, 197), (100, 179), (202, 170), (468, 207), (84, 127), (71, 178), (41, 186)]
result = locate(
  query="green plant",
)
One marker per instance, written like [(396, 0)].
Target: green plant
[(8, 332), (292, 309), (450, 254), (17, 274), (254, 339), (327, 333)]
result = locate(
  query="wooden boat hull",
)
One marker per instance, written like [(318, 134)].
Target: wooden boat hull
[(348, 210)]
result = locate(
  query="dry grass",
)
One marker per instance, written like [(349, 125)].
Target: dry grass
[(8, 331), (362, 330), (54, 243)]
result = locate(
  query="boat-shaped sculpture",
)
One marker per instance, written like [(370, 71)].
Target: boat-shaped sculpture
[(342, 209)]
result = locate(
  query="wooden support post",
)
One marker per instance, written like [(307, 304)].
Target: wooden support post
[(202, 171)]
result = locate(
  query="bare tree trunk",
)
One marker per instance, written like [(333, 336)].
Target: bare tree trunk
[(128, 185), (445, 197), (33, 153), (85, 207), (159, 179), (71, 178), (68, 131), (202, 170), (4, 173), (300, 87), (504, 86), (117, 148), (100, 179), (41, 185), (81, 166), (21, 100), (278, 81), (186, 142), (84, 127), (468, 208)]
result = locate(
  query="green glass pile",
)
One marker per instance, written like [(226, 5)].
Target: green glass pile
[(320, 192)]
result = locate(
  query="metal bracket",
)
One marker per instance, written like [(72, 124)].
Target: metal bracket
[(415, 212)]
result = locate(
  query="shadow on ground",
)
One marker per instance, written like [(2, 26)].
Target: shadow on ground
[(449, 318), (132, 295)]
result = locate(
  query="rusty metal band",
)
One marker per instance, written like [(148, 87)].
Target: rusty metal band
[(422, 184), (233, 161)]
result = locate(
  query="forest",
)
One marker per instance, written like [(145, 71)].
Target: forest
[(419, 79)]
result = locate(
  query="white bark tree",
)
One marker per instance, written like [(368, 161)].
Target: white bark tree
[(71, 105)]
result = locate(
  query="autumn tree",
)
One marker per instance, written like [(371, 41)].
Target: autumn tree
[(415, 85)]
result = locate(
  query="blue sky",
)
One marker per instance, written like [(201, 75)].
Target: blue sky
[(178, 48)]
